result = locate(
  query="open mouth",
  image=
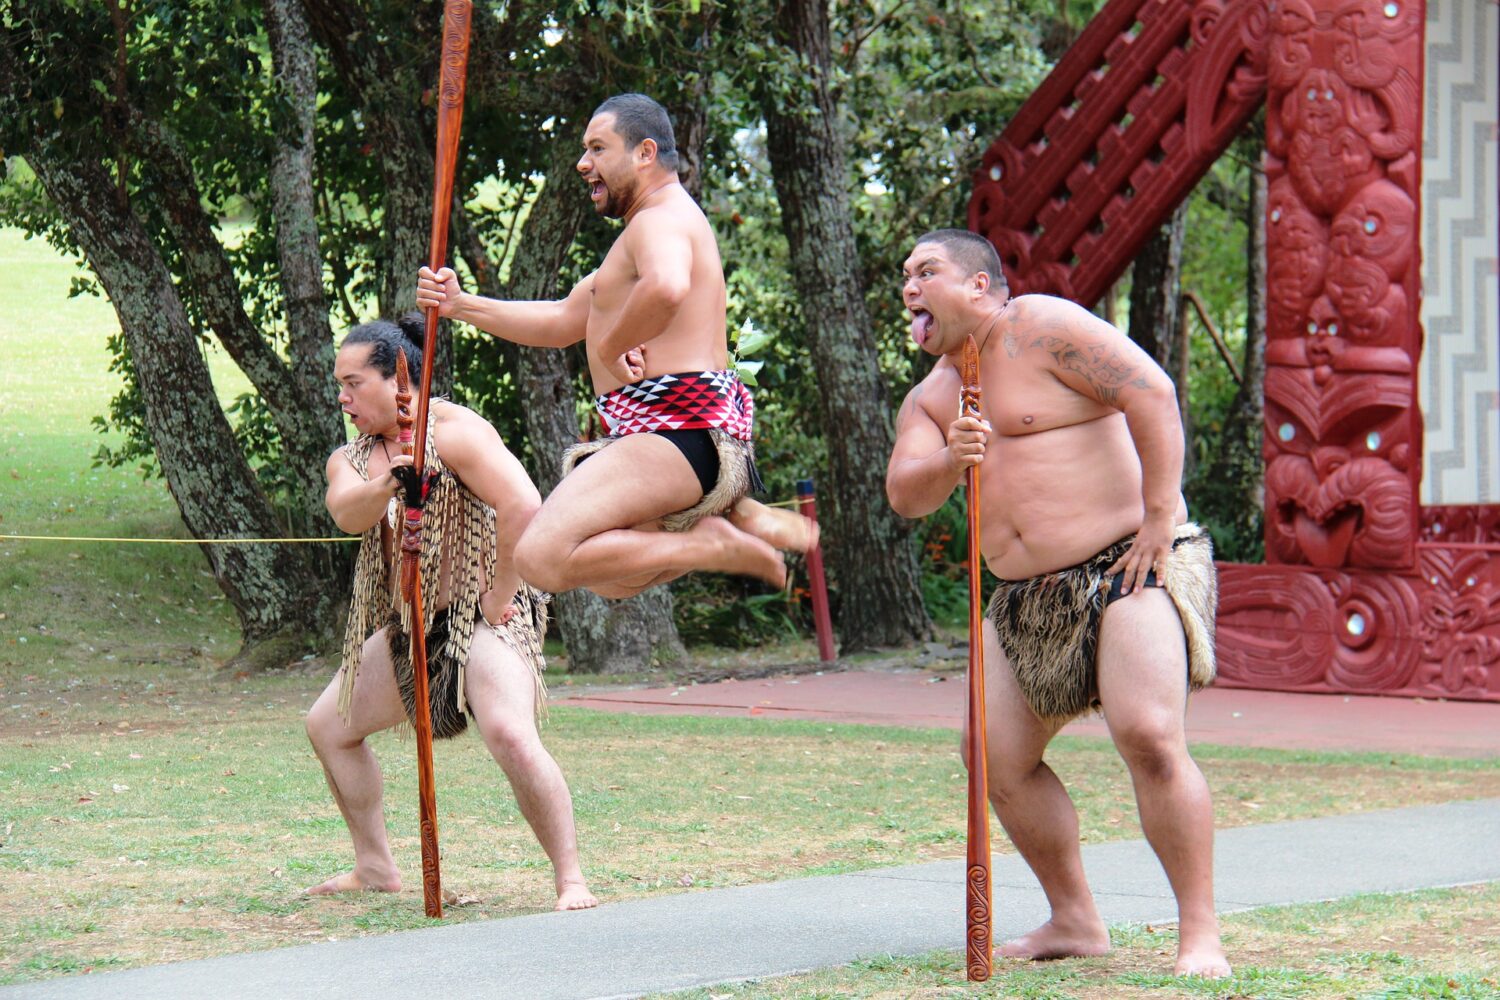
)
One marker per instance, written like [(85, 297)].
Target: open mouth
[(921, 325), (597, 190)]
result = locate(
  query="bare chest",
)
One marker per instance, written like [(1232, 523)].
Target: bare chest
[(1019, 397), (611, 287)]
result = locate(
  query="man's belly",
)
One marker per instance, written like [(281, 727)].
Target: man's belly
[(1057, 498)]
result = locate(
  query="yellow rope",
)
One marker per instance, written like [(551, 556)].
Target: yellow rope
[(176, 541), (230, 541)]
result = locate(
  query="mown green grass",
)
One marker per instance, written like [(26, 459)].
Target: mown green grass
[(92, 605), (175, 814), (1433, 944)]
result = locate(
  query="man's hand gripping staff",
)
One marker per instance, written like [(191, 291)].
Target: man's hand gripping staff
[(980, 918)]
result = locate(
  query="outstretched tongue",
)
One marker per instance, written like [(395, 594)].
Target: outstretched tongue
[(921, 323)]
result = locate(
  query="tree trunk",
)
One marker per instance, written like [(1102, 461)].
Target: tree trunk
[(399, 133), (1155, 289), (870, 548), (1156, 318), (602, 636), (1238, 472), (309, 334), (282, 605)]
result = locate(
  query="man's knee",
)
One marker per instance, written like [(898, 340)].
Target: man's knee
[(1153, 751), (326, 730), (513, 745), (539, 561), (320, 729)]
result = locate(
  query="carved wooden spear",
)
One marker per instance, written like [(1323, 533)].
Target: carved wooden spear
[(450, 109), (980, 919)]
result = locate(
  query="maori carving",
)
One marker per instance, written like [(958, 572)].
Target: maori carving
[(455, 56), (1343, 431), (978, 924), (1137, 110), (1432, 635)]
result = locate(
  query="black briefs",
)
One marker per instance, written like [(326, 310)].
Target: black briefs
[(1117, 582), (699, 449)]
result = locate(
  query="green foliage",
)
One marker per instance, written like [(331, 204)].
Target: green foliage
[(729, 613), (923, 88), (1215, 247)]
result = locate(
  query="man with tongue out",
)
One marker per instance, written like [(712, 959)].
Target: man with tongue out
[(1107, 595), (667, 491)]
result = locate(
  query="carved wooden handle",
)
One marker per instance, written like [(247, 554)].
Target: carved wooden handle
[(979, 917)]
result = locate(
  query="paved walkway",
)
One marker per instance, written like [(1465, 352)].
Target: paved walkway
[(1229, 716), (716, 936)]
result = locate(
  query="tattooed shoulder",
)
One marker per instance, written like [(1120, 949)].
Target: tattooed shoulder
[(1104, 369)]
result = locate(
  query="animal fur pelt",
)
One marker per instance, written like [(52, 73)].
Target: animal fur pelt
[(1049, 625)]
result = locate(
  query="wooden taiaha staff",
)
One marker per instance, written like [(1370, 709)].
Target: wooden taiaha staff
[(979, 925), (450, 109)]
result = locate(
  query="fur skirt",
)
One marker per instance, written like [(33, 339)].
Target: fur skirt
[(1049, 625), (445, 675)]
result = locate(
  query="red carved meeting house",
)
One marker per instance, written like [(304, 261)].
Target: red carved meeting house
[(1382, 385)]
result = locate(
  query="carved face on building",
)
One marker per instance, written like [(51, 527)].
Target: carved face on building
[(1292, 34), (1371, 242), (1373, 39), (1328, 158), (1297, 263)]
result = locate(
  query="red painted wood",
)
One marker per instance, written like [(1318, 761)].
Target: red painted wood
[(817, 582), (1343, 440), (1134, 114)]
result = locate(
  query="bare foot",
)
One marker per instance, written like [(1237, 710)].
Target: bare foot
[(354, 882), (1052, 941), (1201, 958), (734, 551), (781, 528), (575, 896)]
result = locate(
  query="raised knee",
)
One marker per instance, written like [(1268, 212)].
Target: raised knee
[(538, 564)]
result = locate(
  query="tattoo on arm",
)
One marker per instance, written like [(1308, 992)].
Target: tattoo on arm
[(1105, 370), (911, 404)]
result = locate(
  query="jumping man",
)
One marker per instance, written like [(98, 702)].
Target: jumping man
[(679, 455)]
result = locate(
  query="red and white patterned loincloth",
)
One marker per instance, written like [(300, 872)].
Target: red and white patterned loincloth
[(688, 401)]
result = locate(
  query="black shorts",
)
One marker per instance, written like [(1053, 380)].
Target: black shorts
[(697, 446)]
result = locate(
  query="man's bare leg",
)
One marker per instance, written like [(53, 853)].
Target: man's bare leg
[(1037, 815), (1143, 687), (781, 528), (502, 695), (352, 771), (584, 535)]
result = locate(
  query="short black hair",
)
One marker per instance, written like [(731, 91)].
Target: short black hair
[(971, 252), (638, 118), (388, 337)]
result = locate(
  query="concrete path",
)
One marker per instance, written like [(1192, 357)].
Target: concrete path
[(1230, 716), (716, 936)]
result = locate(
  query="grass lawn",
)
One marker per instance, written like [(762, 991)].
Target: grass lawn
[(1439, 943), (71, 603), (174, 813)]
